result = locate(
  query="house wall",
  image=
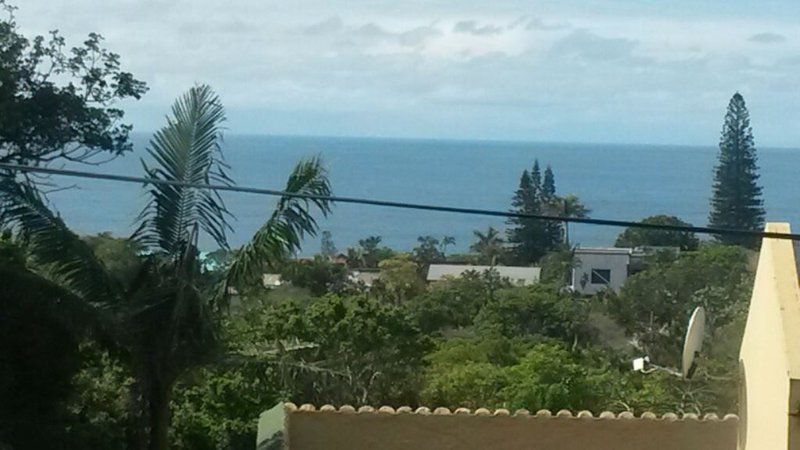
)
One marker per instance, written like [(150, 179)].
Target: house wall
[(331, 429), (770, 352), (617, 263)]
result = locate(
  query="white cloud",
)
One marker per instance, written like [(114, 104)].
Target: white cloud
[(589, 70), (767, 38), (472, 27)]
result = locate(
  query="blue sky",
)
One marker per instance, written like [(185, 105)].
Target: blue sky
[(575, 71)]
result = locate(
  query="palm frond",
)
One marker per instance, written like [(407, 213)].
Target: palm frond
[(186, 150), (291, 221), (60, 253), (44, 297)]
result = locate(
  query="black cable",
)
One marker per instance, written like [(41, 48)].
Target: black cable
[(390, 204)]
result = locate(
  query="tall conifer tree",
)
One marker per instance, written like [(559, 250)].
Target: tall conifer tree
[(526, 234), (549, 184), (536, 178), (736, 201), (551, 204), (532, 238)]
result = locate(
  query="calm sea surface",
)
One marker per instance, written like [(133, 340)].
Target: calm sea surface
[(626, 182)]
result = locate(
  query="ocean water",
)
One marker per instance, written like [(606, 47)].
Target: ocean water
[(624, 182)]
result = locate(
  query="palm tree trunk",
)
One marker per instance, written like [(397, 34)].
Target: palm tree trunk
[(158, 403)]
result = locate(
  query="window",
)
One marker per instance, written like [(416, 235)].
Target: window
[(601, 276)]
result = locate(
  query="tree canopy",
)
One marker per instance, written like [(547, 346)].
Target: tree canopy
[(736, 201), (637, 237), (59, 103)]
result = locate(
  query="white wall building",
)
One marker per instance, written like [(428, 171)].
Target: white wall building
[(598, 269)]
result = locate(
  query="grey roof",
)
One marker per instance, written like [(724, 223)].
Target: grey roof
[(603, 250), (525, 275)]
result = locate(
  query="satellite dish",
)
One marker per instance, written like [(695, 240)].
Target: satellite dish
[(693, 342)]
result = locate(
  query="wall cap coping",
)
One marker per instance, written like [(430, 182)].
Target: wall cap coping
[(523, 414), (786, 279)]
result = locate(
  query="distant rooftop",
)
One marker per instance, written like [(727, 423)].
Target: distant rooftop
[(517, 275), (604, 250)]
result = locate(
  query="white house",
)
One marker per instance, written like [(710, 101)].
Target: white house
[(598, 269), (520, 276), (271, 280), (367, 278)]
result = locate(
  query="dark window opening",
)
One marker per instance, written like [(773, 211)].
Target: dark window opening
[(601, 276)]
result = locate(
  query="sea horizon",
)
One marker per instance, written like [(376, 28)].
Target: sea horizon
[(617, 181)]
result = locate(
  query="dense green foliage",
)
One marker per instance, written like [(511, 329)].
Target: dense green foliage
[(531, 239), (638, 237), (455, 304), (736, 201), (57, 103), (368, 253), (654, 305), (38, 356), (155, 314), (111, 343), (359, 351), (319, 275)]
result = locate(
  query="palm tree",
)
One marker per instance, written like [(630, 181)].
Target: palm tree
[(162, 322), (569, 206), (445, 242), (489, 245)]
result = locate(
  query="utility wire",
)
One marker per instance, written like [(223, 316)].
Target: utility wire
[(404, 205)]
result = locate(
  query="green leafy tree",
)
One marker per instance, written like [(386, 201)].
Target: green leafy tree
[(162, 322), (654, 306), (368, 253), (363, 351), (219, 407), (470, 372), (550, 377), (102, 412), (515, 373), (536, 310), (557, 267), (120, 256), (736, 202), (636, 237), (400, 279), (488, 245), (454, 303), (320, 275), (58, 103)]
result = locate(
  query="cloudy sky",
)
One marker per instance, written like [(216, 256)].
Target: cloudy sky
[(575, 71)]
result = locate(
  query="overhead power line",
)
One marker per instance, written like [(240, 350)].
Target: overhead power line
[(403, 205)]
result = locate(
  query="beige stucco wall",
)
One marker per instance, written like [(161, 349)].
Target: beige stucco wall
[(309, 429), (770, 353)]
